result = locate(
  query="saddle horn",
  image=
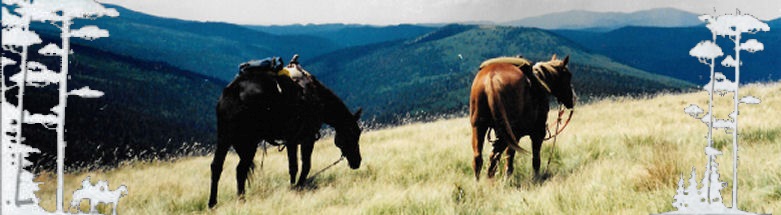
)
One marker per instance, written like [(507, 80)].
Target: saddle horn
[(295, 59)]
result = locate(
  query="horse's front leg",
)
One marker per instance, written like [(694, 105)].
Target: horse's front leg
[(536, 147), (306, 162), (216, 166), (292, 161)]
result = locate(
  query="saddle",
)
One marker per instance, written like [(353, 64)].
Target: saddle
[(296, 90), (275, 66), (526, 67), (271, 65), (518, 61)]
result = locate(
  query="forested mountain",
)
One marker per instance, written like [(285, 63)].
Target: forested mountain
[(431, 74), (209, 48), (665, 51), (149, 110), (350, 35)]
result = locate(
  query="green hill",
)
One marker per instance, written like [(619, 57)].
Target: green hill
[(209, 48), (665, 51), (349, 35), (431, 74), (149, 110)]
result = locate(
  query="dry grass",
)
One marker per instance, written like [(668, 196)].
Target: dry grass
[(619, 156)]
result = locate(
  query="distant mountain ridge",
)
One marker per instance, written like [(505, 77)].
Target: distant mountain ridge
[(431, 74), (210, 48), (665, 51), (606, 21), (347, 35)]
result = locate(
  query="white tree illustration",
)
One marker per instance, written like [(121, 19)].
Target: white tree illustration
[(679, 200), (63, 13), (733, 26), (708, 198), (707, 52), (16, 36)]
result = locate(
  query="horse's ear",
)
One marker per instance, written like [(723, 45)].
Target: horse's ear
[(357, 113), (566, 60), (553, 58)]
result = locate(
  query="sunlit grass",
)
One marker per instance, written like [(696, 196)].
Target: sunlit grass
[(618, 156)]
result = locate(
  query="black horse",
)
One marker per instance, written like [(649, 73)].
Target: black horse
[(262, 104)]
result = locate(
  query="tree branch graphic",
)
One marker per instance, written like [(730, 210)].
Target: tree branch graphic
[(691, 200), (17, 38)]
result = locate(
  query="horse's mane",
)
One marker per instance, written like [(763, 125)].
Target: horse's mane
[(518, 61), (328, 97), (546, 68)]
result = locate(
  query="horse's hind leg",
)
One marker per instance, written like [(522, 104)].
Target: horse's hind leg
[(478, 138), (496, 154), (247, 156), (219, 159), (292, 161), (508, 165), (306, 161)]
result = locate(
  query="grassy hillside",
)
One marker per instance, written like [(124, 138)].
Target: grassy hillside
[(432, 73), (665, 51), (619, 156)]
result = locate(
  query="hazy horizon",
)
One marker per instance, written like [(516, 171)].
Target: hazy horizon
[(377, 12)]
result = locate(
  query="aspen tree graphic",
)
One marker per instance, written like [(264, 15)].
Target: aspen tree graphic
[(707, 199), (18, 187), (17, 38)]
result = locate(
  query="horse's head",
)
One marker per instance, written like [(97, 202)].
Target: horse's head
[(122, 190), (347, 136), (558, 79)]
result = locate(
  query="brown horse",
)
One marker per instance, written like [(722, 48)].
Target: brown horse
[(263, 105), (511, 96)]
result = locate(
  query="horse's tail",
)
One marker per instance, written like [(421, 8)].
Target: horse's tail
[(495, 104)]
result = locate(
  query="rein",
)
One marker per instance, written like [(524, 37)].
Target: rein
[(558, 130), (326, 168), (262, 160)]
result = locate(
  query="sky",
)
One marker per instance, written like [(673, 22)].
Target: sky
[(390, 12)]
